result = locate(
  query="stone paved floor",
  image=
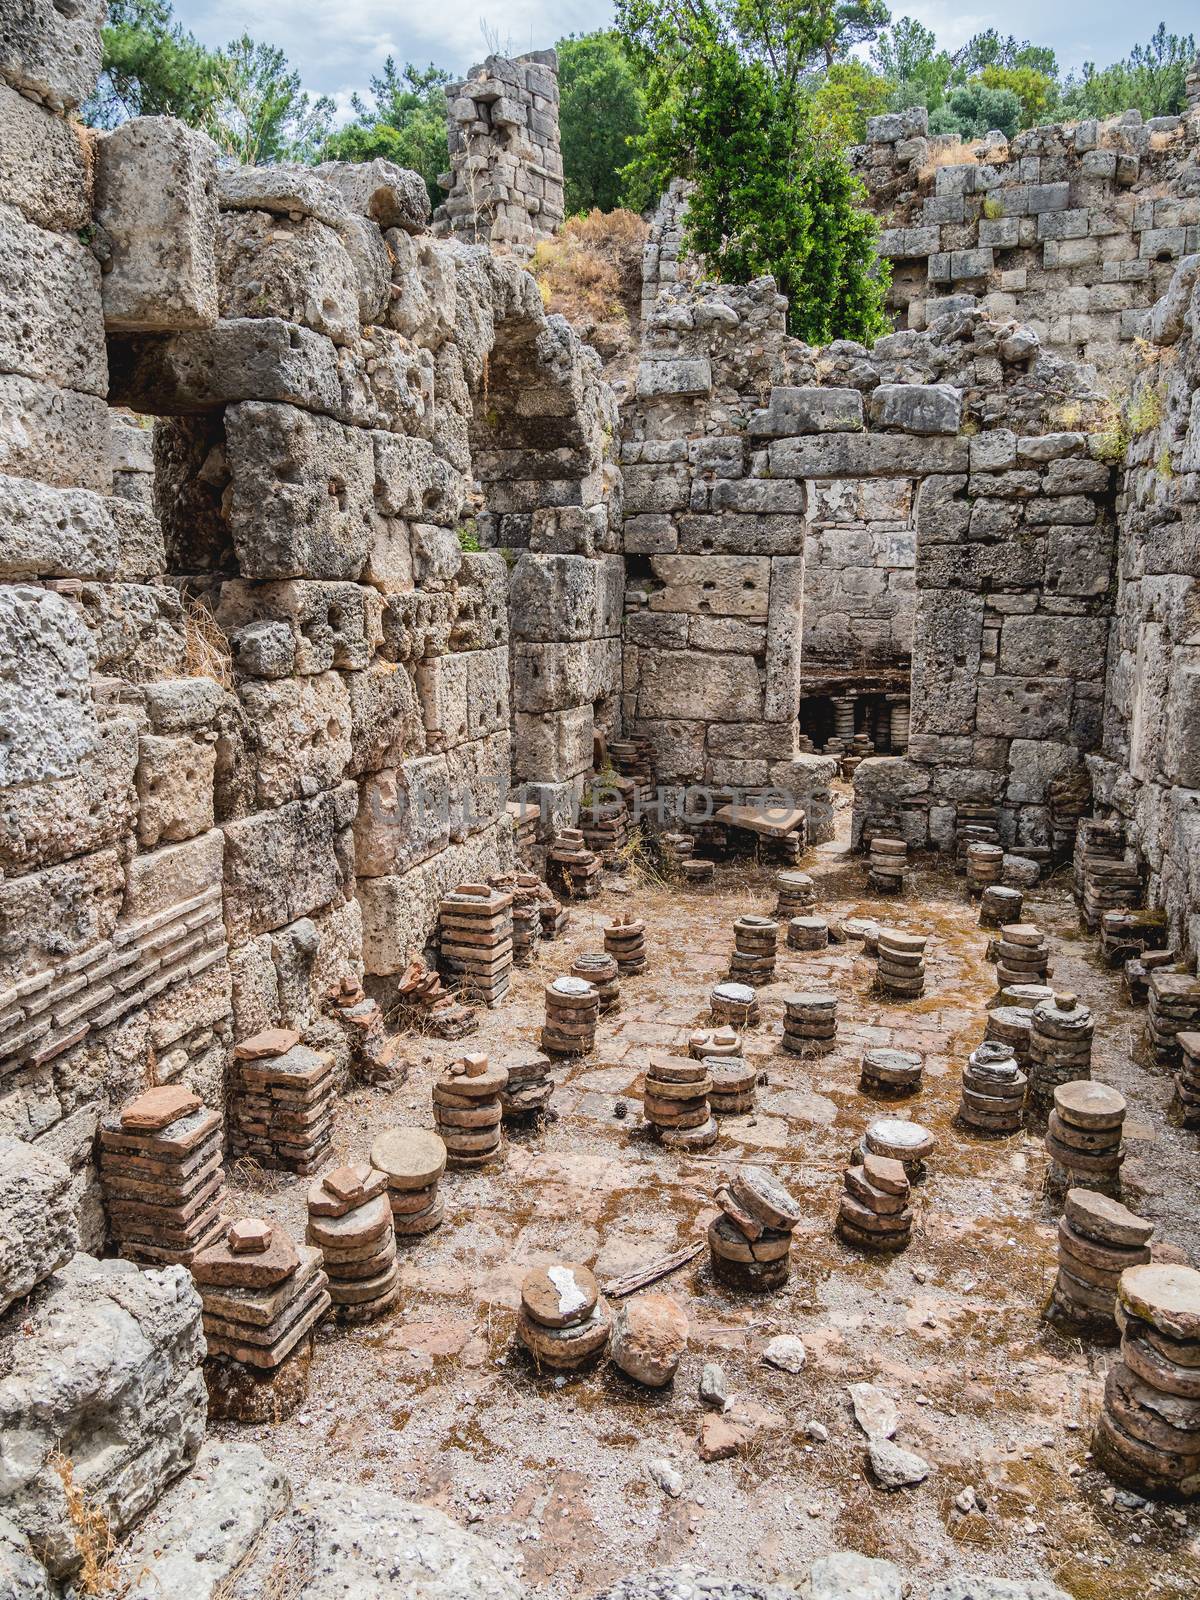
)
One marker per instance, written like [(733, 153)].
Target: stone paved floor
[(435, 1403)]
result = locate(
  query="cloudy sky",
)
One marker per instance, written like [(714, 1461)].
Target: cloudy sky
[(338, 44)]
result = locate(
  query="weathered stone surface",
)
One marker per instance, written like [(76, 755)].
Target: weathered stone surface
[(50, 52), (22, 1575), (917, 407), (45, 692), (845, 1575), (56, 435), (300, 735), (725, 688), (287, 863), (50, 285), (202, 1528), (51, 915), (649, 1335), (43, 171), (391, 196), (894, 1467), (175, 788), (269, 266), (38, 1229), (156, 199), (111, 1376)]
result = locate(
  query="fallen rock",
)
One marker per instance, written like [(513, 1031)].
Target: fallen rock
[(203, 1528), (845, 1575), (714, 1386), (38, 1227), (875, 1412), (723, 1436), (22, 1575), (668, 1478), (649, 1335), (894, 1467), (997, 1589), (786, 1352)]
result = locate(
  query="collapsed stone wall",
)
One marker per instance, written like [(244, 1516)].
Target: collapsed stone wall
[(1074, 228), (505, 183), (1148, 772)]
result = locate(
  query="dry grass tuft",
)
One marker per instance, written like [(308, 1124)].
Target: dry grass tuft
[(957, 153), (592, 270), (92, 1534), (206, 649)]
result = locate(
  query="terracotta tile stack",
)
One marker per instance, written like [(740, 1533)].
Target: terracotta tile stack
[(412, 1160), (755, 943), (375, 1053), (564, 1320), (1098, 1238), (676, 848), (1021, 954), (899, 1140), (1060, 1047), (475, 941), (750, 1242), (423, 998), (705, 1042), (1012, 1026), (1174, 1007), (1136, 973), (468, 1111), (1125, 934), (734, 1004), (572, 1011), (350, 1222), (887, 864), (890, 1072), (733, 1084), (901, 957), (1104, 880), (600, 969), (281, 1097), (807, 933), (1149, 1429), (571, 868), (1187, 1078), (161, 1176), (526, 913), (874, 1211), (605, 828), (797, 895), (556, 917), (809, 1022), (698, 869), (976, 823), (1083, 1137), (993, 1090), (261, 1293), (984, 865), (998, 905), (525, 821), (529, 1088), (675, 1101), (634, 758), (625, 941)]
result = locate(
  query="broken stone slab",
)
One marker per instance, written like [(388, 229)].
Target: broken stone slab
[(926, 408), (846, 1575), (39, 1231), (156, 199), (204, 1527), (49, 51), (668, 1478), (875, 1412), (282, 190), (786, 1352), (895, 1467), (390, 195)]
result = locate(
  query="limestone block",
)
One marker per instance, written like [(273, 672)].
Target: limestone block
[(711, 688), (1033, 763), (685, 376), (385, 718), (56, 435), (156, 198), (412, 481), (704, 633), (269, 266), (551, 747), (238, 358), (330, 624), (77, 812), (45, 693), (1181, 743), (137, 629), (1015, 707), (650, 535), (926, 408), (442, 688), (22, 1575), (111, 1377), (478, 775), (1077, 562), (391, 196), (43, 171), (363, 243), (549, 676), (554, 597), (424, 297), (946, 652), (657, 489), (736, 586), (281, 189), (1049, 647), (487, 691), (403, 816), (51, 52), (288, 863), (784, 622), (757, 495), (53, 532), (39, 1232), (302, 489), (175, 789), (909, 244), (299, 730), (866, 455), (53, 328), (51, 915), (173, 873), (436, 554), (769, 531), (481, 616)]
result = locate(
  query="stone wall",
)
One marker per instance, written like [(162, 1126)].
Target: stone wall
[(1149, 770), (1074, 228), (505, 184)]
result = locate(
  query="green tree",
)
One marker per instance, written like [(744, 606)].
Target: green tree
[(1153, 80), (907, 55), (406, 124), (263, 115), (846, 95), (152, 67), (729, 105), (972, 109), (1036, 91), (601, 109)]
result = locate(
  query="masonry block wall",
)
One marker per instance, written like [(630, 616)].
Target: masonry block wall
[(1073, 228), (505, 180), (1149, 769)]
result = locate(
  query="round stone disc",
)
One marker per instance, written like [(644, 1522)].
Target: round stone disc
[(734, 994), (413, 1158), (901, 1139), (1106, 1220), (1087, 1104), (561, 1295), (1164, 1295)]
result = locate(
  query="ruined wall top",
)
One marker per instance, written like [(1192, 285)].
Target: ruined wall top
[(506, 177)]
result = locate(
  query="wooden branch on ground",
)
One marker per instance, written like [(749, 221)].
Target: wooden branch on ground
[(615, 1288)]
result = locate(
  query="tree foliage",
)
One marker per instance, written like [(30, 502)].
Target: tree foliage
[(151, 67), (1153, 80), (601, 110), (262, 114), (729, 105), (406, 124)]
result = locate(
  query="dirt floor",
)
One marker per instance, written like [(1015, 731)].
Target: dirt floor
[(437, 1404)]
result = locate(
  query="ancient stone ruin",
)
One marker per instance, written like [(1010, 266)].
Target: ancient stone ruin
[(375, 677)]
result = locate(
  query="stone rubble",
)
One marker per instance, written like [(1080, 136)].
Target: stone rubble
[(572, 870), (993, 1090), (749, 1242), (1174, 1008), (601, 970), (733, 1085), (733, 1005), (649, 1336), (1187, 1079), (375, 1055), (874, 1212), (1060, 1047), (899, 1140), (724, 1042)]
